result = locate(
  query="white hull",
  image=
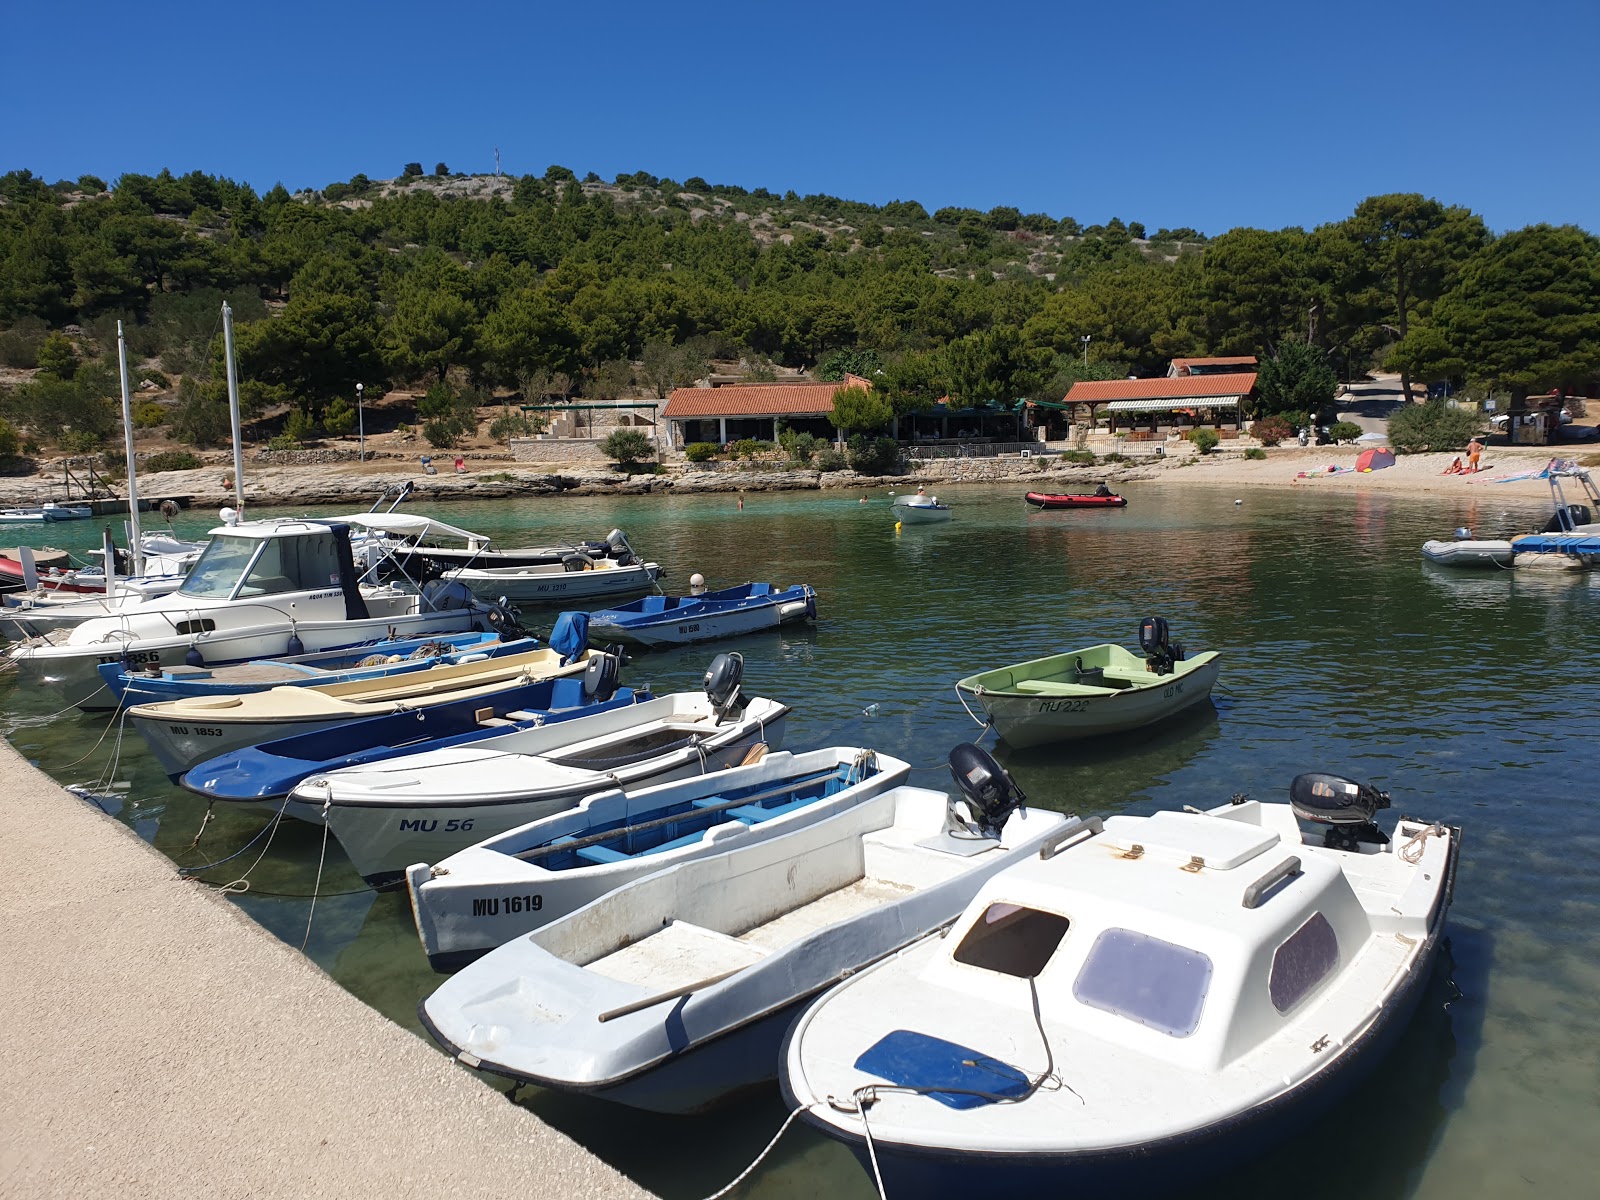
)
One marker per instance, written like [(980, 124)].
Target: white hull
[(732, 623), (921, 514), (1477, 552), (426, 806), (555, 584), (71, 670), (714, 949), (486, 895)]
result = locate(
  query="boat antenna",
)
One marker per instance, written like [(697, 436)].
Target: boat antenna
[(136, 543), (233, 410)]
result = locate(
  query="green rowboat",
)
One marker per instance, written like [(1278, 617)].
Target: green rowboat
[(1085, 693)]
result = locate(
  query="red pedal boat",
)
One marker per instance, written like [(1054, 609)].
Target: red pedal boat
[(1071, 500)]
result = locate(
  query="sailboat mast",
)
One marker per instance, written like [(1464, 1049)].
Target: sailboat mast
[(136, 546), (233, 410)]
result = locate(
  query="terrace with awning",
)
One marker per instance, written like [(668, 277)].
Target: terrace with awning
[(1146, 407)]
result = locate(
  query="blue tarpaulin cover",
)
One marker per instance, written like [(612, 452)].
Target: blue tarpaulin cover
[(929, 1063)]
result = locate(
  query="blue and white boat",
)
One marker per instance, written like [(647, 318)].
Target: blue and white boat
[(672, 992), (728, 612), (1162, 999), (372, 660), (262, 775), (478, 898)]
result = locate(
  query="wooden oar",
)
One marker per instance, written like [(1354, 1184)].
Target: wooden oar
[(594, 839), (612, 1014)]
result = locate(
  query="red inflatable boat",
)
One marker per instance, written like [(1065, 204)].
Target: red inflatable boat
[(1089, 500)]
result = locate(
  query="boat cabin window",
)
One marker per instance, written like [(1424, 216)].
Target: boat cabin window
[(220, 567), (1307, 957), (294, 564), (1145, 979), (1012, 940)]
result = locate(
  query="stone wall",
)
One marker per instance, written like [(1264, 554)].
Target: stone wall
[(558, 450), (312, 458)]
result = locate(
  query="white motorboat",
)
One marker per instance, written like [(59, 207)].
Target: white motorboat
[(515, 882), (920, 509), (450, 547), (1153, 1003), (184, 732), (672, 993), (658, 620), (577, 577), (422, 807), (46, 512), (260, 589)]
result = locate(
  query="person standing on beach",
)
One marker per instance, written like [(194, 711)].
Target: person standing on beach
[(1474, 449)]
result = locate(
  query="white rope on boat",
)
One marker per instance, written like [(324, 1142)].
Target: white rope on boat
[(1412, 851), (323, 858), (760, 1158), (969, 712)]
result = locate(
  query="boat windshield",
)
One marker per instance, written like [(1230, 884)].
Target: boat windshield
[(220, 567)]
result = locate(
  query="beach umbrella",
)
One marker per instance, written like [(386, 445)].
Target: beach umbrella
[(1375, 460)]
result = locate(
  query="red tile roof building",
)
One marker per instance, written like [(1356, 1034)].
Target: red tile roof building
[(730, 412)]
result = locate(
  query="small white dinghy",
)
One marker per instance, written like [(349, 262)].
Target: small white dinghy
[(513, 883), (1161, 1000), (1464, 550), (422, 807), (920, 509), (673, 992), (577, 577)]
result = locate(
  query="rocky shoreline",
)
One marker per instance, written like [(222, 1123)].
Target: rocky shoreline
[(357, 485)]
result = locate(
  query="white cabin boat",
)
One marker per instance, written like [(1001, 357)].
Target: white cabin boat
[(920, 509), (260, 589), (483, 896), (672, 993), (1151, 1004)]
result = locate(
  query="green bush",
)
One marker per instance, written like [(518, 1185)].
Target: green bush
[(9, 440), (299, 426), (513, 424), (57, 357), (1205, 440), (151, 375), (339, 418), (282, 441), (749, 448), (80, 441), (627, 446), (801, 447), (1116, 457), (442, 433), (1083, 458), (698, 452), (147, 414), (172, 460), (19, 345), (1269, 431), (1436, 425), (831, 460), (872, 456), (1344, 431), (1255, 452)]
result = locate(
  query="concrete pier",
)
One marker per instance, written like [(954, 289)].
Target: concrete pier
[(157, 1042)]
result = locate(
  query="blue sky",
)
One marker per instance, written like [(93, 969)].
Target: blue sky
[(1207, 115)]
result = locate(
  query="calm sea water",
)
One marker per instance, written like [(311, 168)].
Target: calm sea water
[(1469, 696)]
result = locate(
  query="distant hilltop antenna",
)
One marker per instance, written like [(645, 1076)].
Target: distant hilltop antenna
[(497, 162)]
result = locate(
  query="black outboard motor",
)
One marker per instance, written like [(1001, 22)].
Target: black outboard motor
[(990, 793), (620, 549), (1346, 807), (1566, 519), (722, 681), (1158, 651), (506, 620), (600, 677)]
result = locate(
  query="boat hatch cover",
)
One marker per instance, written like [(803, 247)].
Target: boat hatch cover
[(916, 1060), (1220, 844)]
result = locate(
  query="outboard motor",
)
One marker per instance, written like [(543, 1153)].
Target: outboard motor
[(620, 549), (506, 620), (446, 595), (991, 794), (722, 681), (1158, 651), (1564, 520), (1346, 807), (600, 678)]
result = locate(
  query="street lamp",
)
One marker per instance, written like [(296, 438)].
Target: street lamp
[(361, 423), (1085, 340)]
